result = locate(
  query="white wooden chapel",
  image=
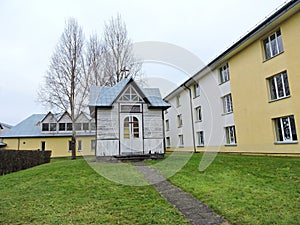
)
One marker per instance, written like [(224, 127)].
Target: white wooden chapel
[(129, 119)]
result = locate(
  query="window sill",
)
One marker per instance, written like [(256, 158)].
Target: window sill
[(228, 113), (266, 60), (230, 145), (198, 121), (285, 142), (278, 99)]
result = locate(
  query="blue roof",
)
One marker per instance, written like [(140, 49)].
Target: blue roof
[(105, 96), (31, 127)]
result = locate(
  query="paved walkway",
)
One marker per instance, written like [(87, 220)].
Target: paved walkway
[(192, 209)]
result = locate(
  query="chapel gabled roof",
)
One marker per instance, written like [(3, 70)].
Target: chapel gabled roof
[(106, 96)]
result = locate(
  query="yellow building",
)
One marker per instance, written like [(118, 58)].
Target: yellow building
[(52, 132), (246, 100), (265, 85)]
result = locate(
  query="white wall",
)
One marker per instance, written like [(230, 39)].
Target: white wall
[(213, 118)]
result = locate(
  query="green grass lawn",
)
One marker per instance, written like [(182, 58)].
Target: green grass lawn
[(246, 189), (70, 192)]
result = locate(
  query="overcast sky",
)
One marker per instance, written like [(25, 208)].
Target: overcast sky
[(31, 29)]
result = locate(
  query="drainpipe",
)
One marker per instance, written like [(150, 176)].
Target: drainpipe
[(192, 117)]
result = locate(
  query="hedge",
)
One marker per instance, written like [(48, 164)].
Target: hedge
[(15, 160)]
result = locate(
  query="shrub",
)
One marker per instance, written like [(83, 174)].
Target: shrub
[(15, 160)]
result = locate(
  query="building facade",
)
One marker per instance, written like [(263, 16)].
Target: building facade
[(247, 99), (52, 132), (129, 119)]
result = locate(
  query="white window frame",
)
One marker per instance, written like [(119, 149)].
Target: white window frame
[(285, 126), (179, 120), (230, 135), (196, 88), (178, 103), (79, 145), (200, 138), (167, 125), (181, 141), (168, 142), (277, 81), (198, 114), (227, 104), (224, 73), (93, 145), (267, 43)]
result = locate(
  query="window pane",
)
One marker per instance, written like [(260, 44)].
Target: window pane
[(279, 86), (286, 84), (77, 126), (62, 126), (278, 130), (69, 126), (293, 128), (85, 126), (52, 126), (273, 44), (45, 127), (267, 49), (279, 41), (286, 128), (272, 88)]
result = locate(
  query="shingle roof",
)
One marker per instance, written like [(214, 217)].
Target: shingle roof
[(31, 127), (105, 96)]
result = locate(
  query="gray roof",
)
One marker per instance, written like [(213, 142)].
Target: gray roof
[(31, 127), (105, 96)]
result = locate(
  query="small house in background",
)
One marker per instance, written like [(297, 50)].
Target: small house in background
[(52, 131), (129, 119)]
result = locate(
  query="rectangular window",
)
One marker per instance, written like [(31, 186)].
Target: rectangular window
[(79, 145), (168, 142), (224, 73), (43, 145), (85, 126), (196, 90), (93, 126), (62, 126), (78, 126), (93, 145), (181, 143), (69, 126), (45, 126), (230, 135), (178, 100), (179, 120), (167, 125), (227, 104), (198, 113), (70, 146), (53, 126), (200, 138), (273, 45), (279, 86), (285, 129), (131, 108)]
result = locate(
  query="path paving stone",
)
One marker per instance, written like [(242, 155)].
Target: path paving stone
[(192, 209)]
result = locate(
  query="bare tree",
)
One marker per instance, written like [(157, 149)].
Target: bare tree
[(66, 83), (94, 62), (117, 55)]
